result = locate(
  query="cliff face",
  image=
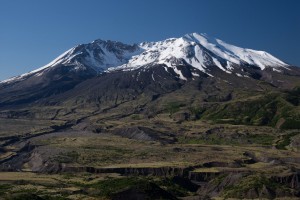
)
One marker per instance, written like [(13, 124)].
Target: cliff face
[(292, 180), (248, 185), (228, 183), (141, 171), (231, 182)]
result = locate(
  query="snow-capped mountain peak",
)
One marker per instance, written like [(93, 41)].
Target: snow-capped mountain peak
[(200, 51), (197, 50), (98, 55), (236, 54)]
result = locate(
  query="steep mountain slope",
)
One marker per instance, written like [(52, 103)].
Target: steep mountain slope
[(112, 70), (72, 67), (96, 56)]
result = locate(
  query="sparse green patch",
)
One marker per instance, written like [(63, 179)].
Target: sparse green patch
[(197, 111), (211, 140), (219, 179), (68, 157), (171, 187), (291, 124), (251, 182), (108, 187), (207, 170), (136, 117), (262, 139), (174, 107), (4, 188), (286, 140), (265, 109)]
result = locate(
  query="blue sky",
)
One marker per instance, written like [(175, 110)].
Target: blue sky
[(34, 32)]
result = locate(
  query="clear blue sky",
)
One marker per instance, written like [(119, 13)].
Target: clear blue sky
[(34, 32)]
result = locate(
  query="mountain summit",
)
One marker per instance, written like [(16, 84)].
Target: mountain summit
[(201, 52), (197, 50), (113, 68)]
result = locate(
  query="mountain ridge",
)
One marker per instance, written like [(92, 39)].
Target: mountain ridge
[(152, 68), (198, 50)]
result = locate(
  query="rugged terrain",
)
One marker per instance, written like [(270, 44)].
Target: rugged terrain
[(190, 118)]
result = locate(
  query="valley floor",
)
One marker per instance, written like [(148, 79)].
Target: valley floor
[(154, 159)]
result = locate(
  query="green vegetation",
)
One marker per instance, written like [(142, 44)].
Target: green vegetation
[(251, 182), (136, 117), (173, 107), (219, 179), (293, 96), (197, 111), (286, 140), (262, 139), (291, 124), (107, 188), (4, 188), (110, 186), (68, 157), (32, 196), (262, 110), (245, 124), (24, 196), (171, 187), (213, 139)]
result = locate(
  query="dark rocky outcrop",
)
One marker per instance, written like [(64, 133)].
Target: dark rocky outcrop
[(292, 180), (203, 176), (143, 171), (144, 191)]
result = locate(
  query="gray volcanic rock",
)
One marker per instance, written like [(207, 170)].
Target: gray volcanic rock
[(108, 73)]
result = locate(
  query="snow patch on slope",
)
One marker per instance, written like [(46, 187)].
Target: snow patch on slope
[(196, 50)]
